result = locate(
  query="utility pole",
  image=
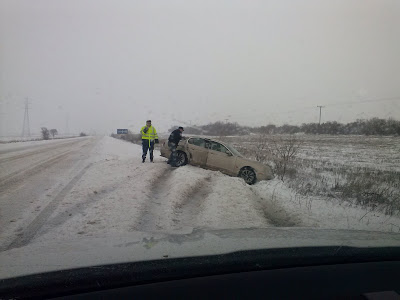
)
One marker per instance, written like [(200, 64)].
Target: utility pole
[(320, 108), (319, 123), (26, 130)]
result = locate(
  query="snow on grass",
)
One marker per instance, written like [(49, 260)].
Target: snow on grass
[(358, 169), (326, 213), (25, 145), (12, 140), (15, 139)]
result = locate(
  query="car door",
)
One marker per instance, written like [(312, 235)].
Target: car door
[(197, 151), (220, 158)]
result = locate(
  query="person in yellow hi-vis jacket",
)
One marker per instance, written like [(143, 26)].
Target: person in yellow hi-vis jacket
[(149, 137)]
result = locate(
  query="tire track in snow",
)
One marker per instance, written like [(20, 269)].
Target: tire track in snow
[(153, 212), (80, 208), (27, 233), (191, 206), (77, 209), (26, 236), (274, 213)]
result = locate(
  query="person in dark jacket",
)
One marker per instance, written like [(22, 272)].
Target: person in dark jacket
[(173, 142)]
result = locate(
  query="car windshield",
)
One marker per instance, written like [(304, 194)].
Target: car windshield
[(118, 118)]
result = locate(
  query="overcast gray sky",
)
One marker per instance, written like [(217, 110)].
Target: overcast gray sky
[(113, 64)]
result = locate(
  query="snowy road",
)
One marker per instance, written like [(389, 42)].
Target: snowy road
[(98, 187), (34, 176)]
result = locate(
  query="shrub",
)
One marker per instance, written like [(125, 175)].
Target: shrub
[(45, 133)]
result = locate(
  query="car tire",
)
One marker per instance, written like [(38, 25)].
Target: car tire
[(248, 175), (181, 158)]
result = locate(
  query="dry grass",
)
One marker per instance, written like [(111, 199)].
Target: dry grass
[(363, 171)]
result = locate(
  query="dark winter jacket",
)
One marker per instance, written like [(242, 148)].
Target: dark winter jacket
[(175, 136)]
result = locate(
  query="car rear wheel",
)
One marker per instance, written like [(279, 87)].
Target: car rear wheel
[(181, 158), (248, 175)]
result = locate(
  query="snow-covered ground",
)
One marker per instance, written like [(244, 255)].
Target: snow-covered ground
[(118, 194), (362, 170), (13, 139), (111, 192), (38, 138), (374, 152), (321, 212), (28, 144)]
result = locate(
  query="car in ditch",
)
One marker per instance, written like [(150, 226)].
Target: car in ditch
[(218, 156)]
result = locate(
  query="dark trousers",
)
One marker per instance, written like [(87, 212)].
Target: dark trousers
[(172, 158), (147, 146)]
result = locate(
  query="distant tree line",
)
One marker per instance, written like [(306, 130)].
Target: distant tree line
[(53, 132), (374, 126), (216, 128)]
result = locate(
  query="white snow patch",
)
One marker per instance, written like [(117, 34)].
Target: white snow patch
[(322, 213)]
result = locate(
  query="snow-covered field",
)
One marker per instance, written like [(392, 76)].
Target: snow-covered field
[(345, 173), (107, 190), (375, 152), (14, 139), (17, 139)]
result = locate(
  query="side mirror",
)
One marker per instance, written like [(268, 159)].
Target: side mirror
[(229, 154)]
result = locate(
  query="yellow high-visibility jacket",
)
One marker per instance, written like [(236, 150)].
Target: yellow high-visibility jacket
[(150, 135)]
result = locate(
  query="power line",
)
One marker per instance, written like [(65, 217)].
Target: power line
[(338, 104), (260, 114), (365, 101), (306, 108)]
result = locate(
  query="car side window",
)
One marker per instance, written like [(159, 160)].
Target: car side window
[(218, 147), (198, 142), (224, 149), (213, 146)]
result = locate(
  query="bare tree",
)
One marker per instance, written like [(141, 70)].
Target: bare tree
[(53, 132), (261, 152), (283, 150), (45, 133)]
